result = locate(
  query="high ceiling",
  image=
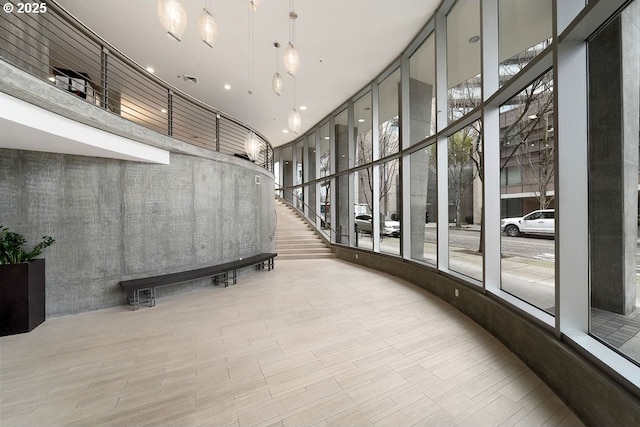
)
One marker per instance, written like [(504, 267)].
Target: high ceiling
[(343, 45)]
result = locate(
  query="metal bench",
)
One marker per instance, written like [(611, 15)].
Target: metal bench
[(143, 290)]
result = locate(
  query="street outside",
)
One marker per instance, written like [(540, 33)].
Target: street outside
[(526, 261)]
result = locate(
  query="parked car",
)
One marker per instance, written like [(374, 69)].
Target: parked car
[(364, 222), (536, 222)]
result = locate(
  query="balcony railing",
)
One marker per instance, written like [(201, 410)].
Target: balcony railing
[(56, 48)]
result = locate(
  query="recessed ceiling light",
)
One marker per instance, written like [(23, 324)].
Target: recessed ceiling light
[(227, 87), (52, 78), (326, 137), (150, 69), (164, 110), (285, 130), (303, 107), (361, 120), (474, 39)]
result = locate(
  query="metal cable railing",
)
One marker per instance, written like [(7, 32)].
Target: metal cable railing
[(56, 48)]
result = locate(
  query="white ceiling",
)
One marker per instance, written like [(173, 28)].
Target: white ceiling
[(343, 45)]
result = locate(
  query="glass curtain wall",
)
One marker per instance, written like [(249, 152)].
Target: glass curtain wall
[(521, 111)]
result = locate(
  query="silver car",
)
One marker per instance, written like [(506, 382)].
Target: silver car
[(364, 222)]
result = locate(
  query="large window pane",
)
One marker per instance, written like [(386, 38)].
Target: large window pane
[(422, 96), (390, 207), (342, 140), (527, 168), (363, 197), (325, 206), (311, 176), (325, 151), (423, 205), (389, 100), (300, 162), (364, 137), (298, 199), (342, 210), (287, 172), (464, 157), (463, 58), (614, 216), (525, 29), (311, 157)]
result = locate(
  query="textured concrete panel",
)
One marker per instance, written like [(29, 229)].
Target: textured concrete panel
[(206, 216), (10, 167), (115, 220)]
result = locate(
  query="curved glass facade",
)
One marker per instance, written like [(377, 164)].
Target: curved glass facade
[(504, 156)]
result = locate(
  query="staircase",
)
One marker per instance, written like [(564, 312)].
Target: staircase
[(295, 239)]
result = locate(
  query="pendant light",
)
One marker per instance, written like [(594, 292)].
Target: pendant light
[(276, 82), (207, 27), (252, 146), (173, 18), (294, 120), (251, 141), (254, 4), (291, 58)]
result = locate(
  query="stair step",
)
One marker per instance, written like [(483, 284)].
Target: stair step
[(303, 250), (295, 238), (303, 256)]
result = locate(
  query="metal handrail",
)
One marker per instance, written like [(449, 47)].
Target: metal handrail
[(309, 209), (56, 47)]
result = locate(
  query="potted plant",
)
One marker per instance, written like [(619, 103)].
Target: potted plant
[(21, 283)]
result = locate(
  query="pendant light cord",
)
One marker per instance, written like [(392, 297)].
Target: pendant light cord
[(251, 60)]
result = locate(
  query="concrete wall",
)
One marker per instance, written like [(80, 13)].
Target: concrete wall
[(596, 397), (115, 220)]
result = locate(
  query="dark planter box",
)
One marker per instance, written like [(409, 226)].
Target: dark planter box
[(21, 297)]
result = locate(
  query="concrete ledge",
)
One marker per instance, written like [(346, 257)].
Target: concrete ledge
[(28, 88), (596, 397), (36, 129)]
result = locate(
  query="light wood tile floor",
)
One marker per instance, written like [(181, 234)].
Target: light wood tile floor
[(311, 343)]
